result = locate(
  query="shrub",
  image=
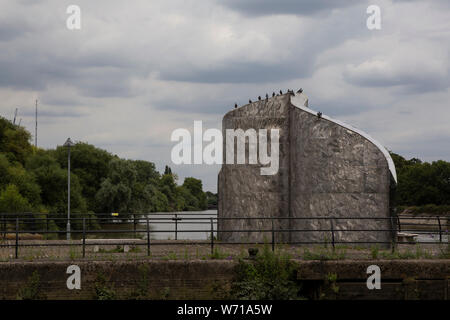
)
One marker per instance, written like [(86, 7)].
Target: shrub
[(267, 277)]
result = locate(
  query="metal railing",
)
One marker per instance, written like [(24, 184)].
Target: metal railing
[(141, 225)]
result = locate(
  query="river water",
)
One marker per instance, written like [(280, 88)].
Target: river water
[(163, 227)]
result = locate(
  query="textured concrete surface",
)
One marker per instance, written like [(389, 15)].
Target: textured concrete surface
[(153, 279), (326, 170), (197, 279)]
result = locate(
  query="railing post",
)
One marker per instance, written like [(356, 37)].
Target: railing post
[(332, 232), (212, 236), (134, 225), (84, 237), (394, 240), (4, 226), (17, 237), (148, 237), (176, 226), (398, 224), (273, 236), (440, 229)]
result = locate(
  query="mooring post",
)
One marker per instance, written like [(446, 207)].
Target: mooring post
[(148, 237), (17, 237), (84, 237), (212, 236), (440, 229), (332, 232), (273, 236)]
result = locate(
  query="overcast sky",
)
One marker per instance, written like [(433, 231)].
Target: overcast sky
[(139, 69)]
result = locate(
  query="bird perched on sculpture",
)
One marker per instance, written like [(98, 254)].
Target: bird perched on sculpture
[(300, 90), (249, 101), (319, 114), (259, 98), (267, 96), (235, 105), (281, 92), (273, 94)]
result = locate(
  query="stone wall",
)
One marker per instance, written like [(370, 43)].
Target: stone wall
[(326, 170), (198, 279), (125, 279)]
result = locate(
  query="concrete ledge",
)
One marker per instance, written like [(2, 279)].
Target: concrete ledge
[(390, 269)]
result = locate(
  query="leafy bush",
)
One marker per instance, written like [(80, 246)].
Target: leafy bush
[(268, 277), (103, 290)]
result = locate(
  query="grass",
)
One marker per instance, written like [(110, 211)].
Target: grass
[(117, 249), (374, 252), (171, 256), (321, 253), (218, 254), (419, 253)]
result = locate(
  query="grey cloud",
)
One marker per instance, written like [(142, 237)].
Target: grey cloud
[(10, 31), (36, 71), (55, 113), (240, 72), (55, 99), (429, 148), (407, 82), (205, 106), (296, 7)]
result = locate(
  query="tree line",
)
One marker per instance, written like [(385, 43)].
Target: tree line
[(35, 180), (422, 183)]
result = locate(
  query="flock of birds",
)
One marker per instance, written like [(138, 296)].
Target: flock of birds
[(291, 92)]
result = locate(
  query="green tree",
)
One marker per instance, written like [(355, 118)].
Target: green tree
[(159, 202), (90, 164), (169, 188), (14, 141), (52, 180), (26, 183), (146, 172), (187, 202), (421, 183), (115, 193), (196, 189), (11, 201), (212, 199)]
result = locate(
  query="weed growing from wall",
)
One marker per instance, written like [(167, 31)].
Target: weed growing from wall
[(32, 290), (269, 276)]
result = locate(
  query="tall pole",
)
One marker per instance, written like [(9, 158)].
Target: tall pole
[(68, 144), (68, 195), (35, 128)]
